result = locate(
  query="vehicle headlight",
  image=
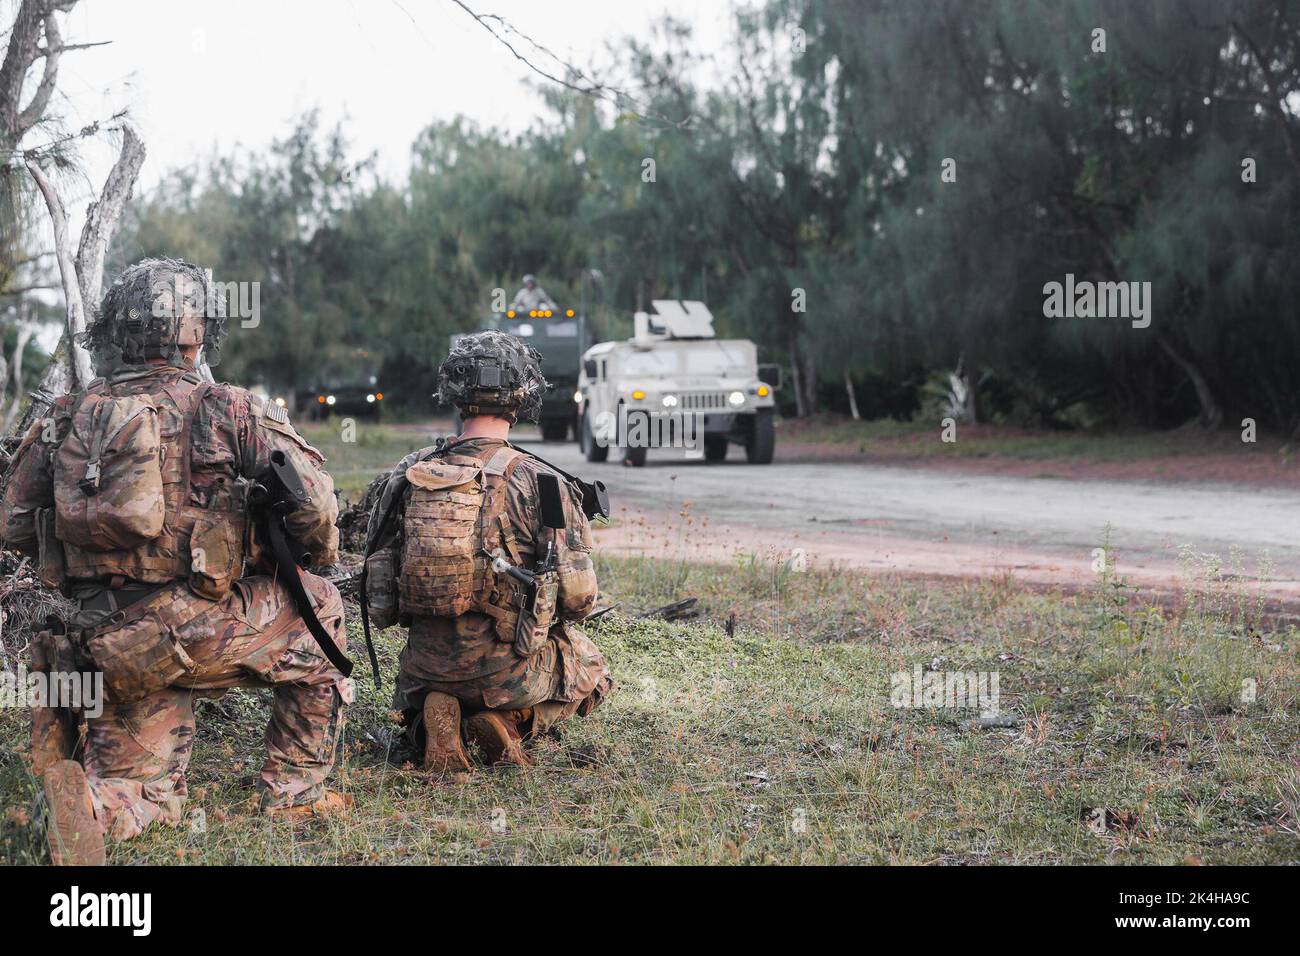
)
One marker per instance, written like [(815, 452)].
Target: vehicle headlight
[(577, 396), (670, 401), (736, 398), (638, 394), (330, 400)]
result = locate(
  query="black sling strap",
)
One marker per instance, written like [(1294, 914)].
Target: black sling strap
[(286, 571)]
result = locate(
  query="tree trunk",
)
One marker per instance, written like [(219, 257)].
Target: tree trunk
[(76, 318), (1211, 410), (853, 396), (810, 383), (796, 370), (83, 277)]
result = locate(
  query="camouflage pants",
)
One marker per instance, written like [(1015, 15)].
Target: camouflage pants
[(137, 753), (463, 657)]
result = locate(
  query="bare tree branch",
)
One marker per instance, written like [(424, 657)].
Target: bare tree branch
[(41, 98), (76, 323), (26, 329), (24, 289), (103, 216), (498, 26)]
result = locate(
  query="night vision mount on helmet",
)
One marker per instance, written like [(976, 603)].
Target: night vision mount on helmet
[(493, 373)]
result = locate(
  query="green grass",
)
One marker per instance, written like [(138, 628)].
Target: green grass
[(894, 439), (779, 744), (353, 464)]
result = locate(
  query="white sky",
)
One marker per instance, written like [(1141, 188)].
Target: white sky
[(204, 75)]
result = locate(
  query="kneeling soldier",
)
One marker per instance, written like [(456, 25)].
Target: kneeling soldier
[(133, 495), (459, 551)]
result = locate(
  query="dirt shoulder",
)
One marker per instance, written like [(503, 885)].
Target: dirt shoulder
[(1160, 576)]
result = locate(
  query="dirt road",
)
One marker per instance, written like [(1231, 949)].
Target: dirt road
[(918, 521)]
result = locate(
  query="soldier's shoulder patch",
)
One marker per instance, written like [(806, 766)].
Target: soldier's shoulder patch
[(275, 418)]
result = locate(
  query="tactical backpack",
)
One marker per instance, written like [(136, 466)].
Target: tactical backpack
[(124, 507), (455, 520), (108, 474)]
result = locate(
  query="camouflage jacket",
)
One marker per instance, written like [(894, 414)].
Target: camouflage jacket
[(234, 434)]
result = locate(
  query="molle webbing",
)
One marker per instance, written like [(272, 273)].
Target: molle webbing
[(456, 511)]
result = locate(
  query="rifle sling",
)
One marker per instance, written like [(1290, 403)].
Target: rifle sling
[(286, 570)]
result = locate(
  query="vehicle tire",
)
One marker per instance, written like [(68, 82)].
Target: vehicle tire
[(587, 442), (635, 457), (555, 431), (715, 449), (762, 443)]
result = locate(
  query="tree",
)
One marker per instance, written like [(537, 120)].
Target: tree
[(80, 274)]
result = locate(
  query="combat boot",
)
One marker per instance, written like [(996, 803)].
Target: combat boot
[(497, 734), (75, 838), (329, 803), (444, 750)]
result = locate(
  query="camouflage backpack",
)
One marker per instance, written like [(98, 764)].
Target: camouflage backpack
[(108, 474), (122, 480)]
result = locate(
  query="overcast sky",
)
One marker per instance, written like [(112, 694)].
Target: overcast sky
[(204, 75)]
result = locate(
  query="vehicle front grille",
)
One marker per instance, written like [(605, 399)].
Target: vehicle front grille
[(700, 401)]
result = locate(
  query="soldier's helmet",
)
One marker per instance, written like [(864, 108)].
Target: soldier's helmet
[(153, 309), (530, 280), (493, 373)]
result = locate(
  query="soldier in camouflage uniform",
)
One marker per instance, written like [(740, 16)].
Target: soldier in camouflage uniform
[(531, 296), (464, 677), (188, 613)]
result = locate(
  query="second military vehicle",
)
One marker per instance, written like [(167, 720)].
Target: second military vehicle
[(674, 384), (559, 335), (346, 382)]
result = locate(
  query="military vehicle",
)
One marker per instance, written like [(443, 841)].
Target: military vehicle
[(673, 384), (559, 335), (346, 382)]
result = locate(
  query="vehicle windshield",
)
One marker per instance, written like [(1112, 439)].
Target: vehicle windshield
[(716, 359), (649, 363)]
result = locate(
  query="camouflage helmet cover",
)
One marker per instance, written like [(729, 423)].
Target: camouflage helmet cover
[(493, 373), (155, 307)]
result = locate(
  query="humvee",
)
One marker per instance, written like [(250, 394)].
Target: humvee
[(674, 384)]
